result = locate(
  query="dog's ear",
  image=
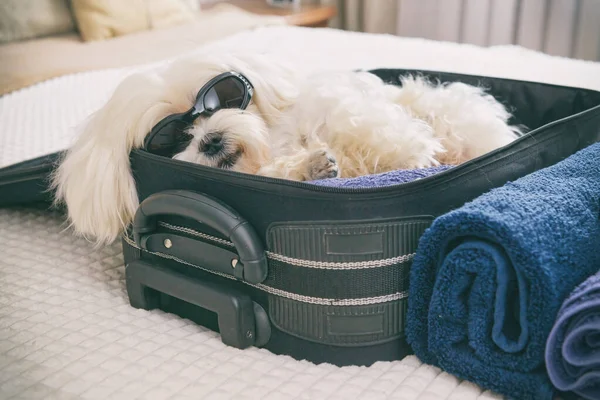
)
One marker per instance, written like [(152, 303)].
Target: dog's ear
[(275, 85), (94, 178)]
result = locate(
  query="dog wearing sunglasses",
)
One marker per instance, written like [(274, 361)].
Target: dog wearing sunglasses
[(253, 114)]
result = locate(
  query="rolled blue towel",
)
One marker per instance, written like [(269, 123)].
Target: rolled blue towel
[(489, 277), (382, 179), (573, 347)]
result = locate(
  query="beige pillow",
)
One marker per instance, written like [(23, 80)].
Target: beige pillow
[(104, 19), (28, 19)]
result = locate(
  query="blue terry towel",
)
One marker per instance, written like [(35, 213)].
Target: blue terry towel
[(489, 278), (383, 179), (573, 347)]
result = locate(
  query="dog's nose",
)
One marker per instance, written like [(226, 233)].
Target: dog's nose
[(212, 145)]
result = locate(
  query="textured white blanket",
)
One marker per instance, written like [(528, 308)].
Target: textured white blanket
[(67, 332), (66, 328)]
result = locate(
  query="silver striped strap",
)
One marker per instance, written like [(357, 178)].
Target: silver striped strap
[(299, 262), (278, 292)]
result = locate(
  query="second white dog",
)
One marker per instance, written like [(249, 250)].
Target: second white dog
[(297, 127)]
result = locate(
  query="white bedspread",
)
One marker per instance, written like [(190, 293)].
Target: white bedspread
[(66, 328), (67, 332)]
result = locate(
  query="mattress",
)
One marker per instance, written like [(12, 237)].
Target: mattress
[(67, 330)]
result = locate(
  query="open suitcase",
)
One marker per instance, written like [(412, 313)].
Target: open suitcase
[(317, 273), (320, 273)]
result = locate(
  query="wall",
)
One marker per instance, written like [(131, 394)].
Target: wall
[(569, 28)]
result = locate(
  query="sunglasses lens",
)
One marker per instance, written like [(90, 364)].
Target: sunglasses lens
[(228, 93), (169, 139)]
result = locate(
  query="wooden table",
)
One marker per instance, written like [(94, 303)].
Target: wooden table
[(306, 15)]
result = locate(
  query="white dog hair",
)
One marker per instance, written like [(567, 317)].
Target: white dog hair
[(298, 126)]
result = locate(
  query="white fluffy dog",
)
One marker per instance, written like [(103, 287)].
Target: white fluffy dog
[(297, 126)]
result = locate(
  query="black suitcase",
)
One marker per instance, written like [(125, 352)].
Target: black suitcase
[(314, 272)]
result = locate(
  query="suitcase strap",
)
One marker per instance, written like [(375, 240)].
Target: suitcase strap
[(341, 283)]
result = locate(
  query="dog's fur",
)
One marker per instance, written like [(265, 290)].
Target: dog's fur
[(299, 127)]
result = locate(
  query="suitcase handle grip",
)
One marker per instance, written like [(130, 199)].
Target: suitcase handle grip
[(242, 322), (252, 265)]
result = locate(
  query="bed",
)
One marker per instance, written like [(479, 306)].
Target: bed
[(67, 330)]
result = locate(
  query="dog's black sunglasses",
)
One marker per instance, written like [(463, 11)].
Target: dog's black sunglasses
[(227, 90)]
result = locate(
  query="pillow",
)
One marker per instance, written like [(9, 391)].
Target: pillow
[(104, 19), (28, 19)]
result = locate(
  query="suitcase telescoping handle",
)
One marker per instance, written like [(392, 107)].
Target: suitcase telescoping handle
[(250, 262), (242, 322)]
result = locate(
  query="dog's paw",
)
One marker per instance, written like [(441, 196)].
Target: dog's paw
[(322, 165)]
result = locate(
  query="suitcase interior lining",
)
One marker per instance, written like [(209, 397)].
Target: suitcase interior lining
[(532, 104)]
